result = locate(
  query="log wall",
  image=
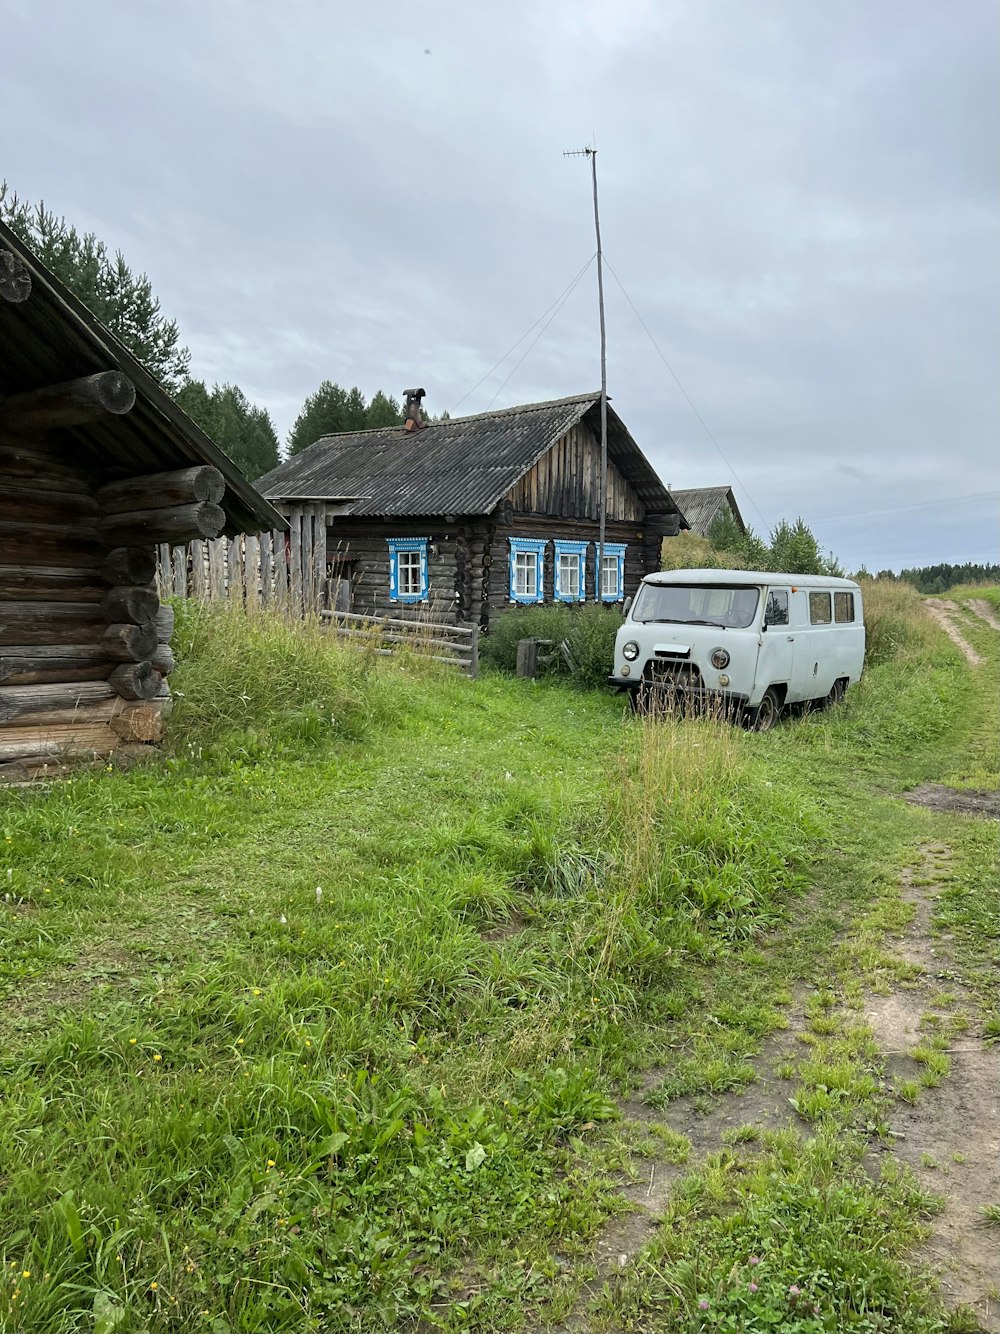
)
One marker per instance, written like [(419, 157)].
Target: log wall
[(84, 642)]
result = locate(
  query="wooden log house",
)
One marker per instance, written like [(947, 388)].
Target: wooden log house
[(97, 465), (465, 518)]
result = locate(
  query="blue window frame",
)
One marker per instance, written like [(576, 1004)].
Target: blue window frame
[(527, 570), (407, 569), (570, 581), (611, 580)]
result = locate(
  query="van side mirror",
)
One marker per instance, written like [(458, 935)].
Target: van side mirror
[(628, 603)]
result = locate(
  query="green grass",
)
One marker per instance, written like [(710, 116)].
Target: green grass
[(318, 1022)]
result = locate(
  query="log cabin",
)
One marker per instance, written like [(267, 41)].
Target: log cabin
[(466, 517), (97, 465), (702, 505)]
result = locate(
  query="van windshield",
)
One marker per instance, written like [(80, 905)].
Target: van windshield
[(697, 604)]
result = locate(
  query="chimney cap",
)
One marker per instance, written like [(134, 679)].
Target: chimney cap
[(414, 393)]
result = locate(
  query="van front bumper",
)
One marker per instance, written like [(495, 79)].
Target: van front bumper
[(700, 694)]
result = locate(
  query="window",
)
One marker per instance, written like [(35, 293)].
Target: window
[(527, 569), (819, 609), (612, 573), (569, 576), (776, 612), (723, 605), (408, 569), (843, 607)]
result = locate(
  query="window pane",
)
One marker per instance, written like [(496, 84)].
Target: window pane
[(777, 608), (609, 576), (409, 573), (843, 606), (820, 612), (526, 574), (569, 575)]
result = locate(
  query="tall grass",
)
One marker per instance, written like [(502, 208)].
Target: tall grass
[(589, 632), (260, 684), (895, 622)]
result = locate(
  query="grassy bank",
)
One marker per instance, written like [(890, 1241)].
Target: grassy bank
[(320, 1021)]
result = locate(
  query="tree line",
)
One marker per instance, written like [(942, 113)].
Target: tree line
[(791, 547), (125, 303), (939, 578)]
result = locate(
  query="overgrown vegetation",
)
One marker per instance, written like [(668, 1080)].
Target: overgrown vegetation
[(588, 631), (320, 1024)]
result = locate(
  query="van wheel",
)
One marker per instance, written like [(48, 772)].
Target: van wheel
[(766, 714), (836, 695)]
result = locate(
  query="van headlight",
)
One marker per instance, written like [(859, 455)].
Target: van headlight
[(719, 658), (630, 651)]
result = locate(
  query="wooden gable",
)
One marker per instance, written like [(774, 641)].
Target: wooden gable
[(566, 482)]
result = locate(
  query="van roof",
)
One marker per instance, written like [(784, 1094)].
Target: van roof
[(742, 578)]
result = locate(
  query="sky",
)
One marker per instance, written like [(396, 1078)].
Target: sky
[(798, 202)]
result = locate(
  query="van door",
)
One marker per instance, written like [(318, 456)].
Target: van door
[(776, 661)]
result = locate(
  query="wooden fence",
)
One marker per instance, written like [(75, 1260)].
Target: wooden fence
[(457, 645), (273, 569)]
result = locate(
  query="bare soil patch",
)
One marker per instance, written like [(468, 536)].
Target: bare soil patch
[(984, 611), (951, 1136), (942, 610), (967, 802)]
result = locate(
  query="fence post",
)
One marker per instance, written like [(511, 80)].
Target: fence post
[(199, 572), (179, 556), (295, 559)]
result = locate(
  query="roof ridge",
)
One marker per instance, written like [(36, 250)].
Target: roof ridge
[(473, 416)]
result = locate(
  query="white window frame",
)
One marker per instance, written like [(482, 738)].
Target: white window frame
[(408, 547), (527, 554), (613, 551), (573, 553)]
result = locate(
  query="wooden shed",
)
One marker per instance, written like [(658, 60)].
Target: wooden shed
[(97, 465), (702, 505), (463, 518)]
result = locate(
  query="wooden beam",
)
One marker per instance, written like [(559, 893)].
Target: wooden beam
[(60, 740), (129, 643), (185, 486), (129, 565), (60, 702), (124, 603), (70, 404), (15, 280), (178, 523), (35, 664), (49, 583), (135, 680), (163, 660)]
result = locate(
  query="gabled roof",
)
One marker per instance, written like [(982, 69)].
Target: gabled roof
[(701, 505), (461, 466), (52, 337)]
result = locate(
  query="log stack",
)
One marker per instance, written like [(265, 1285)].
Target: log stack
[(84, 642)]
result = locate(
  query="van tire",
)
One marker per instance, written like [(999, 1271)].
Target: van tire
[(836, 695), (766, 714)]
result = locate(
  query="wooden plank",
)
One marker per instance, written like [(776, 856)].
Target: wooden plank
[(307, 559), (199, 572), (266, 570), (217, 569), (282, 590), (57, 739), (461, 630), (295, 560), (47, 583), (251, 568), (319, 555), (418, 642), (180, 582), (59, 702), (234, 571)]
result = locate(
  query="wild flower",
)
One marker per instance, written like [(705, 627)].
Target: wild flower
[(703, 1305), (754, 1260), (752, 1287), (157, 1057), (794, 1292)]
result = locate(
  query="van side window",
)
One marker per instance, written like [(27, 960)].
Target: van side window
[(776, 612), (843, 607), (820, 612)]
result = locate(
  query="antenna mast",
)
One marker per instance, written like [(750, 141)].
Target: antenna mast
[(591, 153)]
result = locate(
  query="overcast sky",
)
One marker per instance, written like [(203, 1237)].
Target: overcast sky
[(799, 196)]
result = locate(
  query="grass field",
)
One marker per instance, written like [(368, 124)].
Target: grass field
[(324, 1020)]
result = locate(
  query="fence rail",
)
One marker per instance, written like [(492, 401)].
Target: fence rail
[(456, 645)]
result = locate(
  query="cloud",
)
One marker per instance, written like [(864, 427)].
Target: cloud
[(800, 200)]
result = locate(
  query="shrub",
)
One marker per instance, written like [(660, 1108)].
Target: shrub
[(895, 621), (256, 683), (589, 632)]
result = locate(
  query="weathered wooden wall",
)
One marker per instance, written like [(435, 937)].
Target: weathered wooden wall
[(76, 634), (566, 482)]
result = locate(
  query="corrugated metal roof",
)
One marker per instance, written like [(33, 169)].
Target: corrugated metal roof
[(461, 466), (701, 505), (52, 337)]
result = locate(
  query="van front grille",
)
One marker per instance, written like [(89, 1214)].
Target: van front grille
[(672, 674)]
